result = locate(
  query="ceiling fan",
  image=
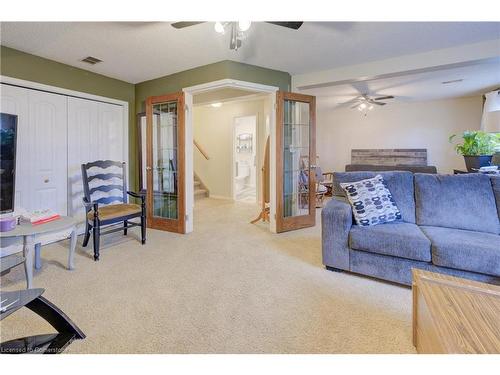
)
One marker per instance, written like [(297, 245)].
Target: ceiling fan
[(237, 29), (365, 103)]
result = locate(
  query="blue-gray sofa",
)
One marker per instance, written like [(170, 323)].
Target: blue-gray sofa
[(450, 224)]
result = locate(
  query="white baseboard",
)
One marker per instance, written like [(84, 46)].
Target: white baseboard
[(221, 197)]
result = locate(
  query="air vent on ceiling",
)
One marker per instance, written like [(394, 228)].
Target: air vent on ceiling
[(91, 60)]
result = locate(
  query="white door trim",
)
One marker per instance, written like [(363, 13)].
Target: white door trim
[(78, 94), (189, 165), (229, 83)]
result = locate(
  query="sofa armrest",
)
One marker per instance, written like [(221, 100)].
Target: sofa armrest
[(336, 222)]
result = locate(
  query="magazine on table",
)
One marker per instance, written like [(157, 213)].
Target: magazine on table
[(37, 217)]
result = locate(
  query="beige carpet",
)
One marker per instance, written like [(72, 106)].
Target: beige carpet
[(228, 287)]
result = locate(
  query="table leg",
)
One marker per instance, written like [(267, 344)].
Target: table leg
[(72, 246), (38, 257), (28, 253)]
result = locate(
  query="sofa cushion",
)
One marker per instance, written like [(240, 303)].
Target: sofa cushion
[(464, 249), (371, 201), (399, 183), (403, 240), (463, 201), (495, 183)]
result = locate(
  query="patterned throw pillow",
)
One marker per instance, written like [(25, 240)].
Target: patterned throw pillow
[(371, 201)]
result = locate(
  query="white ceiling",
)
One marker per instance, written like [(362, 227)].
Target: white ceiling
[(139, 51), (477, 79)]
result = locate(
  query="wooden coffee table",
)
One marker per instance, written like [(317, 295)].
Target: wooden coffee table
[(454, 315)]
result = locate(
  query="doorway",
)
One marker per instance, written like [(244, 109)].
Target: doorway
[(286, 189), (245, 151)]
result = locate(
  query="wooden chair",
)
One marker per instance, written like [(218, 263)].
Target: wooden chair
[(99, 210), (321, 189)]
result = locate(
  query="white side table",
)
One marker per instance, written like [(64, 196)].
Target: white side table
[(29, 232)]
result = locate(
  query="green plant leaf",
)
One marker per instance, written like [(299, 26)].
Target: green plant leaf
[(476, 143)]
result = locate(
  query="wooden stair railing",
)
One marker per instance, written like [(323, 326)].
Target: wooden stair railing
[(205, 155)]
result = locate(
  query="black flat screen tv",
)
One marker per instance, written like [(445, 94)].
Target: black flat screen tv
[(8, 136)]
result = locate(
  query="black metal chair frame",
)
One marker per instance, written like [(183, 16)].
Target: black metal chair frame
[(96, 223)]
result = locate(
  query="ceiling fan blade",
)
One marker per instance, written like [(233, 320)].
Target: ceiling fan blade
[(377, 103), (183, 24), (290, 25), (384, 97)]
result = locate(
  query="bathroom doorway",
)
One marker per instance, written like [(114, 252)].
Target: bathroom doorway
[(244, 164)]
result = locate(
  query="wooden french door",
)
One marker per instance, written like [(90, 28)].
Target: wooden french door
[(295, 158), (165, 164)]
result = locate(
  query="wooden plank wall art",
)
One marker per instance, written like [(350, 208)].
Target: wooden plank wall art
[(389, 156)]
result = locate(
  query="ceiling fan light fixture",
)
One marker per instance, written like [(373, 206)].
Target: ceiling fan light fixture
[(244, 25), (219, 27)]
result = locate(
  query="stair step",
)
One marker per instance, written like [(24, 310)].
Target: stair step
[(199, 193)]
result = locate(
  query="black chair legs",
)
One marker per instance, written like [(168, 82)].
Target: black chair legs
[(143, 230), (143, 220), (95, 236), (87, 234), (125, 223)]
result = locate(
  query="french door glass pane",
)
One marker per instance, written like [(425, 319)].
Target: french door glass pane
[(296, 129), (165, 173)]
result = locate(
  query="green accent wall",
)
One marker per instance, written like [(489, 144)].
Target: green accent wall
[(208, 73), (21, 65)]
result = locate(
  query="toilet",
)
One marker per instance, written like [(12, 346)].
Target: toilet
[(242, 174)]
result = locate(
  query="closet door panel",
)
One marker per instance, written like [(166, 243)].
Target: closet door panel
[(95, 132), (82, 125), (14, 100), (110, 132), (48, 150)]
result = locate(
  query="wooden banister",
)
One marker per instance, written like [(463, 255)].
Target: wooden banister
[(205, 155)]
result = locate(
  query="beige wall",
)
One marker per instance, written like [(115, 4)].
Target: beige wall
[(397, 125), (213, 130)]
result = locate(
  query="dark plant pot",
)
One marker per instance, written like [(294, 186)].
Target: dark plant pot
[(473, 163)]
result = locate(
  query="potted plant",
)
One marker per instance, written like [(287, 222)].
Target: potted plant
[(477, 148)]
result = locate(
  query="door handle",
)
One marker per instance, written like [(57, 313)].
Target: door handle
[(312, 166), (148, 168)]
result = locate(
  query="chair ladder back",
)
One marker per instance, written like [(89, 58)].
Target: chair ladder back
[(102, 176)]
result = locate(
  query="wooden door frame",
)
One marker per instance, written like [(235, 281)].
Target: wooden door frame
[(209, 86), (296, 222), (179, 225)]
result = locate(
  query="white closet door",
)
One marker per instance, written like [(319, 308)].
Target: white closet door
[(47, 142), (95, 132), (14, 100), (41, 155)]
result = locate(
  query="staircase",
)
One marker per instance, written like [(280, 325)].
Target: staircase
[(200, 190)]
